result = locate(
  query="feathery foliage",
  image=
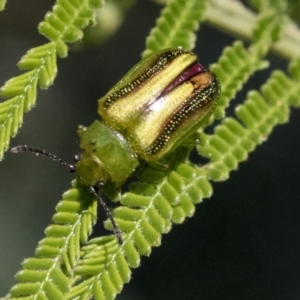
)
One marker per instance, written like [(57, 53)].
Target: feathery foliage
[(167, 196), (42, 276), (176, 25), (69, 265), (62, 25), (241, 63), (261, 112)]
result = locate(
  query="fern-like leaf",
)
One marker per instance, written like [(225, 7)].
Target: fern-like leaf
[(162, 196), (233, 69), (67, 19), (49, 274), (142, 219), (22, 90), (62, 25), (261, 112), (237, 64), (175, 26)]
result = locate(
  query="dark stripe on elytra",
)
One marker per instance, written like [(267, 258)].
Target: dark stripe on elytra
[(160, 63), (186, 110)]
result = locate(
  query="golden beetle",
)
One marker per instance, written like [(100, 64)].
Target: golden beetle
[(158, 104), (147, 114)]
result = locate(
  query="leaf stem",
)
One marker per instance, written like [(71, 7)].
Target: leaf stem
[(233, 17)]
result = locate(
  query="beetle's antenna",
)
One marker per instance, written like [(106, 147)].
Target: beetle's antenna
[(109, 215), (23, 148)]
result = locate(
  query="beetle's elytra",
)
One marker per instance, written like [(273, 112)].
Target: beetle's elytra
[(147, 114)]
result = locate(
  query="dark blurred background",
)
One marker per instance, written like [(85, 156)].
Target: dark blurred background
[(243, 243)]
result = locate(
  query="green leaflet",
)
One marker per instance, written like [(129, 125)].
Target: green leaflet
[(67, 18), (237, 64), (236, 61), (260, 113), (176, 26), (62, 25), (144, 218), (72, 224)]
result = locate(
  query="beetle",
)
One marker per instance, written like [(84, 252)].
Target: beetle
[(152, 110)]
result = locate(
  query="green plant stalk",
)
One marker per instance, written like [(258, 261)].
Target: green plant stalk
[(234, 18)]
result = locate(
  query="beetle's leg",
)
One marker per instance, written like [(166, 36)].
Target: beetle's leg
[(108, 213)]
